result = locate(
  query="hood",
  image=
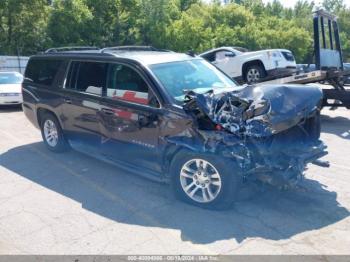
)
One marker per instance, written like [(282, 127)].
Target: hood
[(10, 88), (258, 110)]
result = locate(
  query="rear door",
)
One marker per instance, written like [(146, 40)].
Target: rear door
[(130, 119), (42, 86), (82, 94)]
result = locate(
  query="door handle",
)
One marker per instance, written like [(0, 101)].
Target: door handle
[(107, 111), (67, 100)]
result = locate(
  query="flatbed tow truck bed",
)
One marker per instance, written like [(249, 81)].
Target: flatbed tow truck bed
[(339, 93), (328, 61), (301, 78)]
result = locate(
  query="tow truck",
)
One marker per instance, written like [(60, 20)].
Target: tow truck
[(328, 62)]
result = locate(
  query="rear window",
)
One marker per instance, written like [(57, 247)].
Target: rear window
[(41, 71)]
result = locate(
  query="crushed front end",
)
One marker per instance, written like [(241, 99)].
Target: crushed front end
[(271, 132)]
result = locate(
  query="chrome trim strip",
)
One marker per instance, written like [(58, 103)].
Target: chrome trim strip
[(28, 92)]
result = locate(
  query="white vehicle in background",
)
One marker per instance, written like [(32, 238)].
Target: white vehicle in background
[(252, 67), (11, 88)]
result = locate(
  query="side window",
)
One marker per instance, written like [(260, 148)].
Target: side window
[(223, 55), (88, 77), (126, 84), (42, 71), (210, 57), (220, 56)]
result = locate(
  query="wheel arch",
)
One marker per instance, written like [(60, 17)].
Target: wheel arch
[(174, 149), (251, 63), (171, 151), (41, 111)]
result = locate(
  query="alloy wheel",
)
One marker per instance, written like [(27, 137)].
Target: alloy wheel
[(200, 180), (253, 75), (50, 133)]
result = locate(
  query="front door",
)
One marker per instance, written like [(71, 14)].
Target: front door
[(130, 119)]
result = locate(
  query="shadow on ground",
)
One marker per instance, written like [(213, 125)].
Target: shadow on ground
[(338, 125), (127, 198)]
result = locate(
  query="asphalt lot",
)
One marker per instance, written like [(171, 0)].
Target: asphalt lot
[(73, 204)]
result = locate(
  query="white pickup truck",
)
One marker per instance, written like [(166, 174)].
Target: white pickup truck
[(252, 67)]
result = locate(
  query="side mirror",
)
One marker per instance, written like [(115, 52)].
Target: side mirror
[(146, 120), (229, 54)]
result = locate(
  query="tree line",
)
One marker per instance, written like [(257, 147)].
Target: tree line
[(30, 26)]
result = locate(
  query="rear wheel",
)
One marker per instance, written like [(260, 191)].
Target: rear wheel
[(254, 74), (52, 133), (204, 180)]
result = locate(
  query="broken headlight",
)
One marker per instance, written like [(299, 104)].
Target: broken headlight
[(257, 108)]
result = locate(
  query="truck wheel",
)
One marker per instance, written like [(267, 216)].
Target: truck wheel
[(254, 74), (52, 134), (203, 180)]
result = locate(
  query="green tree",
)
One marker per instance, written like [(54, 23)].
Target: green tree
[(206, 26), (255, 6), (275, 8), (344, 27), (22, 26), (189, 32), (334, 5), (68, 23), (154, 18), (112, 22), (186, 4), (180, 25)]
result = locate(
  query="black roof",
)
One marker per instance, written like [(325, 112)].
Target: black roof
[(142, 54)]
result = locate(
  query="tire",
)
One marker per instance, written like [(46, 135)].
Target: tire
[(313, 126), (223, 195), (52, 134), (254, 73)]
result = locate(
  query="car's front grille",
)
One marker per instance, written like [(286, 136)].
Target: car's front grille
[(9, 94), (288, 56)]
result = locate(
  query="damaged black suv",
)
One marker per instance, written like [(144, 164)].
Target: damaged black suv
[(175, 118)]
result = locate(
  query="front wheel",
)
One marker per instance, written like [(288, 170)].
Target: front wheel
[(204, 180)]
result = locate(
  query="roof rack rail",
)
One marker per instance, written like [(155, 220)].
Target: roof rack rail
[(71, 48), (132, 48)]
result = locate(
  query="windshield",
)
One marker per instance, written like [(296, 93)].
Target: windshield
[(197, 75), (10, 78)]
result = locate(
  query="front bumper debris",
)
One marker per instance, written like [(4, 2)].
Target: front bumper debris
[(271, 132)]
